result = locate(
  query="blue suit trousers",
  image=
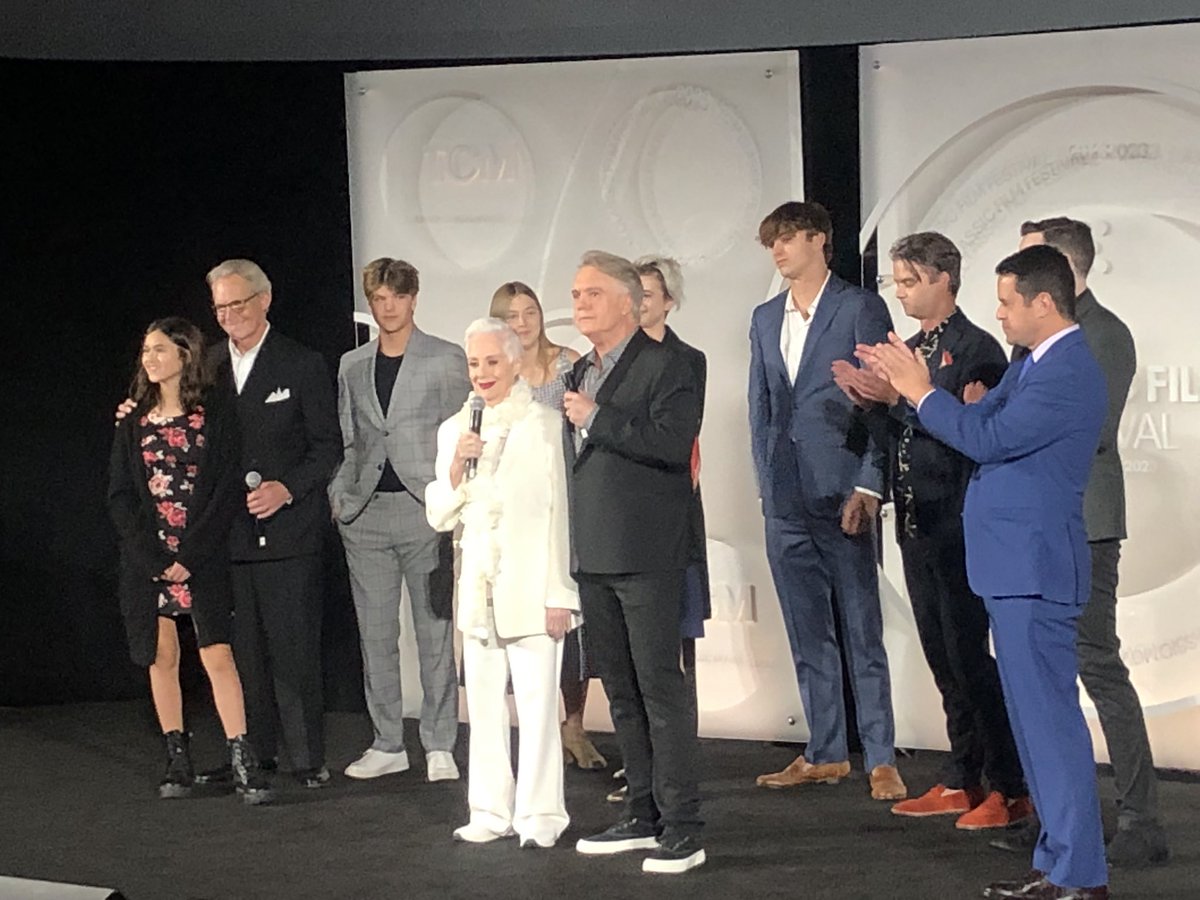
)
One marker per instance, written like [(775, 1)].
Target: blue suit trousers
[(1035, 652), (812, 561)]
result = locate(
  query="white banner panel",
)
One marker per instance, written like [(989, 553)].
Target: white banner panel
[(484, 175), (973, 137)]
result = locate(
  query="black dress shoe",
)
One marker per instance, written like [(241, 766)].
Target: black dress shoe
[(1025, 887), (1137, 847), (312, 778), (1018, 840)]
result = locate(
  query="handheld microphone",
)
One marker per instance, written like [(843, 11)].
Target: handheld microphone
[(475, 425), (253, 482), (566, 370)]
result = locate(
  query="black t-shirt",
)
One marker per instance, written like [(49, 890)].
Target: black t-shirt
[(386, 370)]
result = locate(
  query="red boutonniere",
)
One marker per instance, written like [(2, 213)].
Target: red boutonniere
[(947, 359)]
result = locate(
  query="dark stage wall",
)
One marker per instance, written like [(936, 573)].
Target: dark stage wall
[(122, 184)]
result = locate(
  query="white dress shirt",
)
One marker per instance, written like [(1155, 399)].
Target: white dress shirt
[(243, 362), (795, 330), (1040, 350)]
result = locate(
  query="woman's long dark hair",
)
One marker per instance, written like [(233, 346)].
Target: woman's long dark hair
[(193, 380)]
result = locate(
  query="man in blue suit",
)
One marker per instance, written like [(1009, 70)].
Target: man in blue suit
[(820, 476), (1034, 437)]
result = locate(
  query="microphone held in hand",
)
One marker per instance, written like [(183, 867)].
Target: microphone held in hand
[(566, 370), (253, 483), (475, 425)]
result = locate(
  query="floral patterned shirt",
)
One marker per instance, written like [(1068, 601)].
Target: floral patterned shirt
[(172, 453)]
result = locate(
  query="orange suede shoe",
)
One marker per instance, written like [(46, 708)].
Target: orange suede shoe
[(940, 800), (996, 812)]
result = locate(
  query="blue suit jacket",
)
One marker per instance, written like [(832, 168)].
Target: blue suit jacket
[(1034, 439), (811, 445)]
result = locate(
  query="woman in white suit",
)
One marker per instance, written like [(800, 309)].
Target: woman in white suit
[(516, 598)]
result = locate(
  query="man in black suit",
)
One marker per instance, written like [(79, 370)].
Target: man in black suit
[(631, 422), (291, 439), (929, 483)]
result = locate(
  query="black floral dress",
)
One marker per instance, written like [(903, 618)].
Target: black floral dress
[(172, 453)]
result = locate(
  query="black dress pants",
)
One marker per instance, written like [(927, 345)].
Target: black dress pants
[(633, 644), (277, 648), (952, 624), (1106, 679)]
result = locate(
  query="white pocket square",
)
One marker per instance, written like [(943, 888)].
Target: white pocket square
[(279, 394)]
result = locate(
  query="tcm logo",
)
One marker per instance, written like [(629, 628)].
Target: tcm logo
[(472, 164)]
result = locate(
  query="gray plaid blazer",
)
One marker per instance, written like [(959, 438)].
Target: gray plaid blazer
[(431, 387)]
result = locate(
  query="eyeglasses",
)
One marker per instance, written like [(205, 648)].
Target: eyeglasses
[(233, 306)]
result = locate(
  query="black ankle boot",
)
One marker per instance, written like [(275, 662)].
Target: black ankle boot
[(177, 780), (252, 786)]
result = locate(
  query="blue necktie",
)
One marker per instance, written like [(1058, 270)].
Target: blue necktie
[(1025, 367)]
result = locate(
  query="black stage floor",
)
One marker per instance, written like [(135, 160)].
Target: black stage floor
[(78, 804)]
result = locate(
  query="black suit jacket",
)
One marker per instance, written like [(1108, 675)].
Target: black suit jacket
[(630, 484), (295, 440), (939, 474), (698, 363)]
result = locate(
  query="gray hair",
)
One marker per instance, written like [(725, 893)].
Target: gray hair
[(622, 270), (243, 268), (668, 272), (509, 342)]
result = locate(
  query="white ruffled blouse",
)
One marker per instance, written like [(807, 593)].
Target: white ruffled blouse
[(514, 542)]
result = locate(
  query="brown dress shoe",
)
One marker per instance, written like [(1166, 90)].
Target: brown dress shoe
[(1036, 886), (1004, 890), (801, 771), (578, 748), (886, 784)]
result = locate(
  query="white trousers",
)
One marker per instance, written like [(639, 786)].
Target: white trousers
[(533, 804)]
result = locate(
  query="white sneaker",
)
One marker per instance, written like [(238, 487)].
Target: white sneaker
[(472, 833), (374, 763), (440, 766)]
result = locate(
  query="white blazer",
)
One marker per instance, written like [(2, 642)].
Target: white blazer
[(514, 516)]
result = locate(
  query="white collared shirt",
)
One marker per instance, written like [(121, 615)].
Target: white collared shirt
[(795, 330), (1040, 350), (242, 363)]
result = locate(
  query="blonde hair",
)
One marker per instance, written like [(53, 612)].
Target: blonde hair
[(502, 300), (668, 272)]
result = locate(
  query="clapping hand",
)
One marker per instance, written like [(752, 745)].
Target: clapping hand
[(974, 392), (901, 366), (861, 386)]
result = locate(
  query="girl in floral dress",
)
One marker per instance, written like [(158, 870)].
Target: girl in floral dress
[(172, 494)]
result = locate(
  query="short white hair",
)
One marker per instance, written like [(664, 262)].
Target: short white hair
[(243, 268), (509, 342), (668, 271)]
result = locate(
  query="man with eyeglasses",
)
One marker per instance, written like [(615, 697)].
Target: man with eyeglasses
[(291, 445)]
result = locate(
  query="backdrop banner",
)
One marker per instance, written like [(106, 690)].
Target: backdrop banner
[(973, 137), (483, 175)]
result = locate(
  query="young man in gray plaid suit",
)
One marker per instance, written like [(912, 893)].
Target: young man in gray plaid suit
[(393, 393)]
